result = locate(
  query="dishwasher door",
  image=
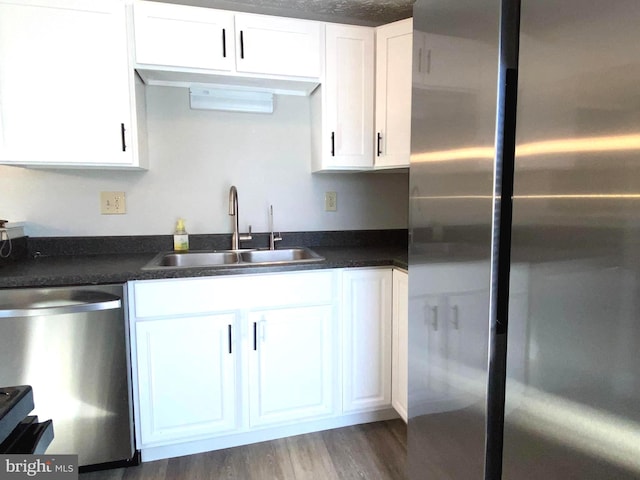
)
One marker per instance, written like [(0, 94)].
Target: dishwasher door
[(70, 345)]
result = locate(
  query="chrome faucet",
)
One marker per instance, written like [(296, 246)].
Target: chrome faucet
[(272, 237), (233, 211)]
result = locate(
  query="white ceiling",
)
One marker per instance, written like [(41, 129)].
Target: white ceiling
[(358, 12)]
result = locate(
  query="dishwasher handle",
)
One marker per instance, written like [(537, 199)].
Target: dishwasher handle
[(57, 302)]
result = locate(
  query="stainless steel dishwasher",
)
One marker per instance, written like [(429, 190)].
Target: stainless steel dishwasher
[(70, 345)]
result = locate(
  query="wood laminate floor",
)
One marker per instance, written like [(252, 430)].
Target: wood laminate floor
[(374, 451)]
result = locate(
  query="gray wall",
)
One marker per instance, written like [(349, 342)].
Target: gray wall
[(195, 156)]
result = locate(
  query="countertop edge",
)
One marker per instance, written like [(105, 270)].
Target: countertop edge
[(106, 269)]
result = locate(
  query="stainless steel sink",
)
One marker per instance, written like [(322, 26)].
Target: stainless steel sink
[(284, 255), (196, 259), (232, 258)]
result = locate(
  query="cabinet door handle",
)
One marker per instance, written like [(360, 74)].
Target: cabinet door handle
[(333, 144), (429, 61), (379, 143), (230, 339), (122, 137), (255, 336), (455, 321), (420, 60), (224, 43), (241, 44)]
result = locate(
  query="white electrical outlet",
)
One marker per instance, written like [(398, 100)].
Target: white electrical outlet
[(331, 201), (113, 203)]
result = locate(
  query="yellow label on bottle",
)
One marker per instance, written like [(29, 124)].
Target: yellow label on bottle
[(181, 243)]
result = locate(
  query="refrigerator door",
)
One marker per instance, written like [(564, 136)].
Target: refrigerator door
[(573, 387), (451, 187)]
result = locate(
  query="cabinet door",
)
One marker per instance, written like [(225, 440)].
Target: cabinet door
[(366, 330), (186, 377), (394, 46), (348, 102), (400, 343), (181, 36), (277, 46), (291, 364), (64, 83)]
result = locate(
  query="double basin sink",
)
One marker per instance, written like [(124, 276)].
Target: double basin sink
[(232, 258)]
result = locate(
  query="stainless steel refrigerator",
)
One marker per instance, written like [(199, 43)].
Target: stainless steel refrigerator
[(524, 257)]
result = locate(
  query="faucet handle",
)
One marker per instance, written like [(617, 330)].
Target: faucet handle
[(245, 236), (273, 238)]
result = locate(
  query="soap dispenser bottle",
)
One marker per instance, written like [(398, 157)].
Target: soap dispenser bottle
[(180, 237)]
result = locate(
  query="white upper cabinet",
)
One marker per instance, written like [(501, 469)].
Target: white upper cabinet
[(184, 38), (278, 46), (179, 36), (67, 94), (393, 94), (346, 101)]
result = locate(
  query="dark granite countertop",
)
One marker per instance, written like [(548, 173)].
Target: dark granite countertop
[(82, 268), (119, 268)]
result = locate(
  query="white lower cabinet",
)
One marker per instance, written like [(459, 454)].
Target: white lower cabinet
[(230, 360), (400, 344), (186, 377), (366, 333), (291, 367)]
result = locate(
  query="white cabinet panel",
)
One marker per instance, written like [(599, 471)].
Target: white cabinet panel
[(186, 377), (400, 345), (366, 330), (347, 103), (190, 296), (292, 364), (66, 92), (178, 36), (394, 46), (278, 46)]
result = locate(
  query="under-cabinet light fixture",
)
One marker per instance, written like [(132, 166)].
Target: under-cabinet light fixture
[(230, 100)]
